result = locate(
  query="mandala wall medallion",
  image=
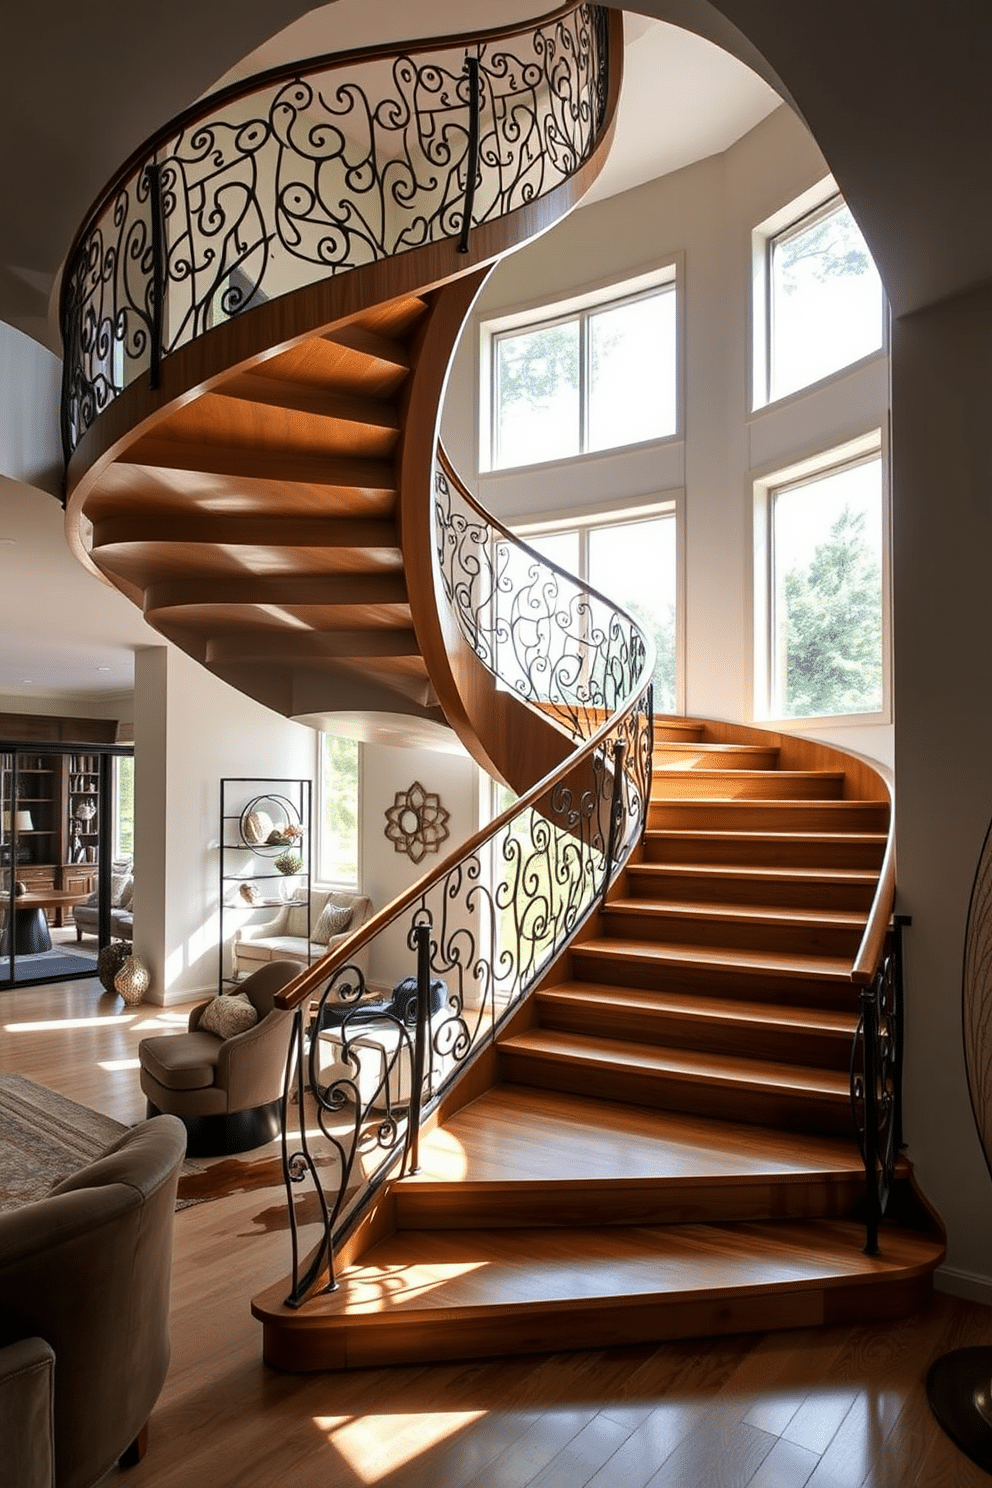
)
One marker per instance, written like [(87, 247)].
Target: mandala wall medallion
[(417, 823)]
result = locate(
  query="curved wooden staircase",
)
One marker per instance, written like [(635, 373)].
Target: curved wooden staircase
[(666, 1148), (660, 1141)]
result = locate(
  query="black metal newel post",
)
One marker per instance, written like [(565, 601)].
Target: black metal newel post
[(869, 1017), (158, 273), (619, 749), (472, 154), (898, 1041), (422, 934)]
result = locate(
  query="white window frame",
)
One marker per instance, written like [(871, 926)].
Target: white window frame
[(586, 518), (657, 280), (318, 878), (798, 213), (870, 444)]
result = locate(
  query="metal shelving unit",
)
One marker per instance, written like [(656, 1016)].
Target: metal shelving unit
[(261, 819)]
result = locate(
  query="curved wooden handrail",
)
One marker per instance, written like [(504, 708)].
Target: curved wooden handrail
[(872, 948)]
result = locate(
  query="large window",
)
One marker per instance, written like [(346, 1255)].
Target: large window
[(124, 806), (824, 581), (591, 380), (634, 563), (338, 811), (819, 305)]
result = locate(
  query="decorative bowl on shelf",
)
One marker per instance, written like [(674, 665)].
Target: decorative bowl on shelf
[(289, 862)]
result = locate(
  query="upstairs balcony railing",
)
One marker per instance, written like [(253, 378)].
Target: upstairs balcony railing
[(466, 944), (311, 171)]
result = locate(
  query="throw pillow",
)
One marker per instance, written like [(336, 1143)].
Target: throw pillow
[(119, 882), (126, 894), (228, 1015), (334, 920)]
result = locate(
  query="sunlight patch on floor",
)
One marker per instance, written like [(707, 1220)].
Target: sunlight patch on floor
[(375, 1446), (163, 1020), (60, 1024), (118, 1064)]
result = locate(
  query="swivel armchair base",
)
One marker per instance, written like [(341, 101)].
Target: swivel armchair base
[(228, 1133)]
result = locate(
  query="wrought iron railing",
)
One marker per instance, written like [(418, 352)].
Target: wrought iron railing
[(312, 171), (551, 640), (876, 1082), (467, 943)]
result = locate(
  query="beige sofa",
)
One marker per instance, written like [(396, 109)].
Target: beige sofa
[(84, 1313), (284, 934)]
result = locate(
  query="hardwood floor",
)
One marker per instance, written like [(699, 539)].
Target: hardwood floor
[(836, 1407)]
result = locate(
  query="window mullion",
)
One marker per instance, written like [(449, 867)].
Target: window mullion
[(583, 382)]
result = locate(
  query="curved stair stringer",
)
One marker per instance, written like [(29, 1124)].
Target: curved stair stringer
[(511, 739)]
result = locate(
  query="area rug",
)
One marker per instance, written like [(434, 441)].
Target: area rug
[(44, 1137), (53, 966)]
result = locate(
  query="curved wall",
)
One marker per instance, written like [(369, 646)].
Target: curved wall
[(701, 217)]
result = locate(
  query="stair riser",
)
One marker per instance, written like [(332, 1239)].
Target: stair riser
[(682, 757), (768, 785), (689, 733), (777, 852), (819, 1049), (771, 816), (289, 1344), (722, 1202), (595, 962), (804, 939), (694, 888), (758, 1105)]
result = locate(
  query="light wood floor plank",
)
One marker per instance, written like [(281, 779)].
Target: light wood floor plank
[(227, 1421)]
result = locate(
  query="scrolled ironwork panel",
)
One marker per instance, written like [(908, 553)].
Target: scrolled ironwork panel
[(338, 167), (549, 639), (496, 916)]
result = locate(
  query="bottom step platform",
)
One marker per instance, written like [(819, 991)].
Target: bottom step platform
[(425, 1295)]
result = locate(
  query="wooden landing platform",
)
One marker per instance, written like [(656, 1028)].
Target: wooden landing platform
[(447, 1294)]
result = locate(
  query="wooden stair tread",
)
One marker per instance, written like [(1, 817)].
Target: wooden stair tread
[(444, 1274), (820, 808), (750, 784), (744, 874), (689, 1064), (750, 837), (765, 963), (705, 1009), (729, 912), (705, 750), (523, 1136)]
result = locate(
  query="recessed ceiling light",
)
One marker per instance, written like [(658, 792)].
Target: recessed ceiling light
[(103, 669)]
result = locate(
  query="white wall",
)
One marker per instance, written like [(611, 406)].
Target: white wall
[(190, 731), (942, 472), (30, 387), (702, 217), (454, 776)]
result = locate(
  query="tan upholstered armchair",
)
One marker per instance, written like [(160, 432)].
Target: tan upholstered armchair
[(84, 1313), (226, 1091)]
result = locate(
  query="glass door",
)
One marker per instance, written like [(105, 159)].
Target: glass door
[(66, 829), (7, 858)]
